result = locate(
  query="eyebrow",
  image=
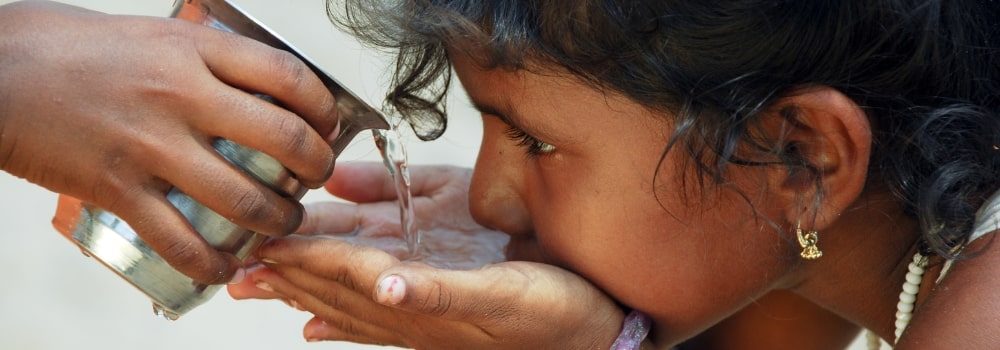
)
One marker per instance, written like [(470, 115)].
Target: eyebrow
[(494, 111), (504, 115)]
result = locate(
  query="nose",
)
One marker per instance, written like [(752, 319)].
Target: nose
[(495, 194)]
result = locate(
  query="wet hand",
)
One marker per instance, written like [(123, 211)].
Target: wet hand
[(116, 110), (363, 295), (449, 237), (362, 292)]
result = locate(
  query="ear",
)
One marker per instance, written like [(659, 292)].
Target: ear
[(830, 137)]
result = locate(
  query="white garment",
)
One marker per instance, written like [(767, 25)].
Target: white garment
[(987, 218), (987, 221)]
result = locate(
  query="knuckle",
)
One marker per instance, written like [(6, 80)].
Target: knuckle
[(331, 298), (183, 256), (328, 107), (346, 326), (294, 134), (327, 110), (251, 205), (437, 302), (117, 194), (289, 68), (344, 274), (276, 217), (298, 141), (343, 277)]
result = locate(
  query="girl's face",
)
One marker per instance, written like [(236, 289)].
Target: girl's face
[(574, 171)]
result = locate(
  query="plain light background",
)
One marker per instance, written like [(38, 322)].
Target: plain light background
[(52, 297)]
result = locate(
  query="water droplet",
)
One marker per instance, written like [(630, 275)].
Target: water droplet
[(164, 313)]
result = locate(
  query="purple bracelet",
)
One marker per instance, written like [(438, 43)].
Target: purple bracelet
[(634, 331)]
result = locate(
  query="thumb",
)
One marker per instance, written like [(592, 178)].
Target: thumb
[(457, 295)]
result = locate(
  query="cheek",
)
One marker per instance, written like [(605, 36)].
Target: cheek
[(688, 260)]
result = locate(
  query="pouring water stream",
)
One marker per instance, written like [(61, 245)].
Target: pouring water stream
[(395, 161)]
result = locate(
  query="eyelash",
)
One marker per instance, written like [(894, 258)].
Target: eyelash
[(533, 146)]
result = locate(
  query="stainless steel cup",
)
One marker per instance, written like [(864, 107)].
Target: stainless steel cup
[(110, 240)]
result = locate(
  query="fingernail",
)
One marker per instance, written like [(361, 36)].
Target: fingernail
[(313, 340), (296, 305), (391, 290), (315, 331), (238, 277), (268, 261), (250, 269), (264, 286)]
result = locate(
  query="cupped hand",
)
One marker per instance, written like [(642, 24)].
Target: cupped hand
[(116, 110), (359, 292), (449, 237)]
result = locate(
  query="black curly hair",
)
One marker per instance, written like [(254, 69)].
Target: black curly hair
[(925, 72)]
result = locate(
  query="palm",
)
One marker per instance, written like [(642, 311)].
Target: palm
[(459, 294), (448, 236)]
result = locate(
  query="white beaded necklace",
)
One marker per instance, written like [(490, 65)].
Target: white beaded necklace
[(907, 297)]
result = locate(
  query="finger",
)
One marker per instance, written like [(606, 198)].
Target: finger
[(253, 66), (485, 295), (318, 329), (275, 131), (453, 295), (364, 182), (228, 191), (361, 182), (333, 300), (252, 287), (347, 323), (324, 296), (353, 266), (330, 218), (170, 235), (372, 225)]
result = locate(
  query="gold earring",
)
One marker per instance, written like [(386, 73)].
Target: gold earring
[(808, 243)]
